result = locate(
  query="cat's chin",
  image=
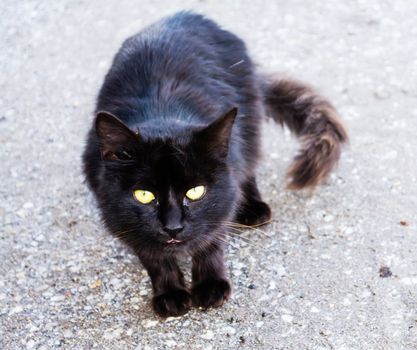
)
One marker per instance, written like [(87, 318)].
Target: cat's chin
[(181, 245), (173, 241), (174, 245)]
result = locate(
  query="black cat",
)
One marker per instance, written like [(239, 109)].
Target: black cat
[(171, 156)]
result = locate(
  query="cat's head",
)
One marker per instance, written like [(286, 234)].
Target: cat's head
[(165, 185)]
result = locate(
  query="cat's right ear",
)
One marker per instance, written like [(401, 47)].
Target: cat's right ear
[(117, 141)]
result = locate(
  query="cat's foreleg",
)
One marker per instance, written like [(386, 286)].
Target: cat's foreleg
[(211, 287), (171, 298)]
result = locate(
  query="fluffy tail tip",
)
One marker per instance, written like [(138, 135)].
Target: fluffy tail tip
[(318, 156)]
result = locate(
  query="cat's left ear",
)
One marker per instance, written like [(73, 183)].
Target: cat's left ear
[(117, 141), (215, 137)]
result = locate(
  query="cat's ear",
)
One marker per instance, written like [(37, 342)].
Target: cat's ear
[(117, 141), (215, 137)]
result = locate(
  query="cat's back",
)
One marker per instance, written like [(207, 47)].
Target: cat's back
[(184, 33), (180, 63)]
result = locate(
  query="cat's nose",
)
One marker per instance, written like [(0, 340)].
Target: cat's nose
[(173, 230)]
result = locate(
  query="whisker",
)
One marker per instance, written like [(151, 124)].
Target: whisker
[(237, 225), (238, 236)]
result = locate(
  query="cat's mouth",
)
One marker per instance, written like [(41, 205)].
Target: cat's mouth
[(173, 241)]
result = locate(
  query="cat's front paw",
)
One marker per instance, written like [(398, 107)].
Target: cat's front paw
[(175, 302), (211, 293)]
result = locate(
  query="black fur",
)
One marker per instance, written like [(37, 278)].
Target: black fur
[(166, 122)]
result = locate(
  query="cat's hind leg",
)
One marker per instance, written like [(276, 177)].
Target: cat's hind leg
[(253, 211)]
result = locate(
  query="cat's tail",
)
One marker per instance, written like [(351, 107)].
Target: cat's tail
[(314, 120)]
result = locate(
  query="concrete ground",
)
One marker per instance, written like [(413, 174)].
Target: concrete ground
[(335, 270)]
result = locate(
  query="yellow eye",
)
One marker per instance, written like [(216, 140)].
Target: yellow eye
[(144, 197), (195, 193)]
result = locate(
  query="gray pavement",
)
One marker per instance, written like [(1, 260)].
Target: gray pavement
[(335, 270)]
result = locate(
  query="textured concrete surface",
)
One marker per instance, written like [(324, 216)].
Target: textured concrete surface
[(336, 270)]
